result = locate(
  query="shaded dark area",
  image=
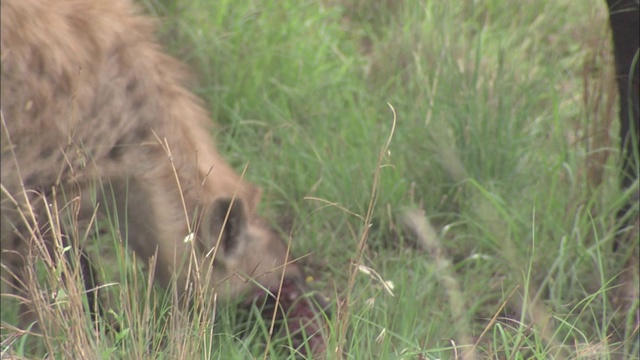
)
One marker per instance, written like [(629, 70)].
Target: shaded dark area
[(624, 21)]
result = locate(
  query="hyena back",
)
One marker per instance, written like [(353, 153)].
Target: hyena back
[(89, 98)]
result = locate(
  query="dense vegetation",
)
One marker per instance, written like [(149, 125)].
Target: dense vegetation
[(468, 148)]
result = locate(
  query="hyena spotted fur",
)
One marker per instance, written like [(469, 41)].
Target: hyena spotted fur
[(89, 98)]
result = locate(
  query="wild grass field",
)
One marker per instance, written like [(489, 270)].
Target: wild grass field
[(447, 169)]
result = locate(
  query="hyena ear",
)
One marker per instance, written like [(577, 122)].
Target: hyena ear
[(228, 223)]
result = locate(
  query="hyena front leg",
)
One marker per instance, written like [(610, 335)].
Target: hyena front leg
[(33, 249), (53, 236), (119, 211)]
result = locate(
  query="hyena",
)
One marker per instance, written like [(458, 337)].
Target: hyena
[(88, 98)]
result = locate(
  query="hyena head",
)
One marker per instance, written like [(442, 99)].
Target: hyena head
[(244, 253), (249, 251), (228, 249), (247, 256)]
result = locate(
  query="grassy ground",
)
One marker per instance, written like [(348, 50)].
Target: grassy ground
[(490, 210)]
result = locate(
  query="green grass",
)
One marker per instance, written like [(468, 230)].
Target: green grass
[(497, 107)]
